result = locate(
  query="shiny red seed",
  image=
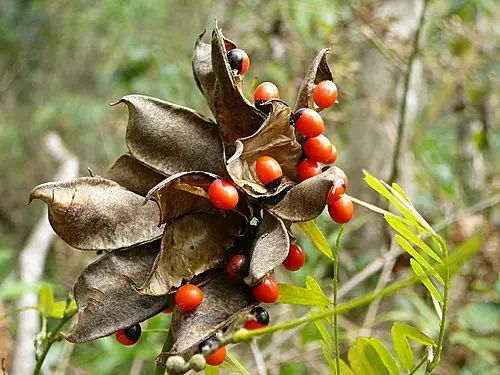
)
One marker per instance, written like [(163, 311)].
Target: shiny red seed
[(307, 169), (295, 258)]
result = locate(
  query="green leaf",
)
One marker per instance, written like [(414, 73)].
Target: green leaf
[(379, 187), (364, 358), (405, 245), (212, 370), (59, 307), (423, 225), (413, 333), (402, 348), (401, 192), (411, 236), (385, 356), (329, 359), (46, 300), (344, 369), (294, 295), (419, 271), (323, 331), (5, 254), (312, 231), (314, 286), (232, 363)]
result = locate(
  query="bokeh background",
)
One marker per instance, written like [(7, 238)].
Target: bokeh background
[(62, 62)]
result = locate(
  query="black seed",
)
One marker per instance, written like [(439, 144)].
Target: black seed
[(274, 184), (295, 116), (133, 333), (325, 168), (261, 315), (235, 58), (209, 344)]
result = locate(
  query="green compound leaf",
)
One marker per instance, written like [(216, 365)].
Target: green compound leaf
[(59, 307), (385, 356), (405, 245), (212, 370), (312, 231), (364, 359), (402, 348), (419, 271), (403, 230), (294, 295), (414, 333), (46, 300)]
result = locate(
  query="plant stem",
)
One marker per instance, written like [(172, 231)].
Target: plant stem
[(419, 364), (52, 337), (336, 262), (444, 317), (167, 345)]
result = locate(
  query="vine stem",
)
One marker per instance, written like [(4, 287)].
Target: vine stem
[(336, 262), (52, 337)]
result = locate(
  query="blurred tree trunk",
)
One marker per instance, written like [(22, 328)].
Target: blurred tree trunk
[(373, 130)]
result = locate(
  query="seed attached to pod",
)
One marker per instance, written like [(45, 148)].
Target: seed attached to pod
[(237, 268), (341, 210), (308, 122), (260, 318), (129, 336), (268, 171), (267, 291), (325, 93), (318, 148), (295, 258), (238, 60), (188, 297), (264, 92), (307, 169), (223, 194)]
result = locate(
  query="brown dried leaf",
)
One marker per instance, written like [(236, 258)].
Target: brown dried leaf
[(92, 213), (106, 295), (223, 302), (170, 138), (192, 245), (307, 200), (318, 71), (276, 138), (133, 175), (269, 249), (235, 115), (186, 192)]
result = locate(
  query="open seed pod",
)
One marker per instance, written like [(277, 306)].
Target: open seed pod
[(153, 216)]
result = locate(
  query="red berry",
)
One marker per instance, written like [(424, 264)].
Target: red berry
[(267, 291), (334, 193), (268, 171), (216, 358), (223, 194), (309, 122), (341, 210), (295, 258), (238, 60), (264, 92), (308, 168), (237, 268), (188, 297), (129, 336), (318, 148), (333, 156), (325, 93)]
